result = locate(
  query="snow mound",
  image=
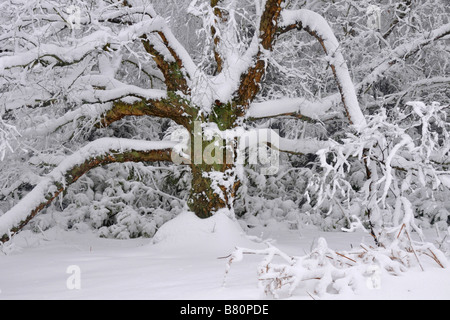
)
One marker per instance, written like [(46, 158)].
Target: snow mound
[(188, 233)]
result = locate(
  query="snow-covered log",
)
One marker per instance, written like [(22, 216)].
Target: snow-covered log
[(98, 153)]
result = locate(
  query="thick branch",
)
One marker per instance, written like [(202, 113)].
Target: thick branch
[(216, 39), (250, 82), (108, 114), (179, 69), (110, 108), (174, 108), (317, 26), (310, 111), (171, 70), (98, 153)]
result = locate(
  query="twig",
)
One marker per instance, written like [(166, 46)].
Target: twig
[(343, 256), (42, 231), (435, 258), (400, 232), (365, 249), (414, 250), (309, 294)]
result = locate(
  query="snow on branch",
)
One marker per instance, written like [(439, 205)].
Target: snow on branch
[(303, 146), (91, 111), (114, 101), (7, 134), (85, 90), (61, 56), (177, 50), (100, 152), (296, 107), (248, 69), (104, 28), (332, 272), (274, 141), (115, 90), (424, 84), (318, 27), (402, 165), (64, 56)]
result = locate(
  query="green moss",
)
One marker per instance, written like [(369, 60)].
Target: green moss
[(224, 115), (176, 72)]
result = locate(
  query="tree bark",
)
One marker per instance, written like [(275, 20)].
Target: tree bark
[(212, 162), (213, 189)]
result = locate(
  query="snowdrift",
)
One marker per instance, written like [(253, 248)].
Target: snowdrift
[(218, 235)]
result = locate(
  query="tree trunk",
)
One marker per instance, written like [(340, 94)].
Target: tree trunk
[(214, 176), (212, 190)]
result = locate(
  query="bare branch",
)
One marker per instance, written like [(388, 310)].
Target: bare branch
[(405, 6), (402, 53)]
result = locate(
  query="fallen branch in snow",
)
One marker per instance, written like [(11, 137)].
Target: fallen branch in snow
[(332, 272)]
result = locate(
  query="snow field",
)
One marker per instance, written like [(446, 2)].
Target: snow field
[(183, 262)]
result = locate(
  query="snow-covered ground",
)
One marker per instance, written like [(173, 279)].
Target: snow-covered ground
[(181, 262)]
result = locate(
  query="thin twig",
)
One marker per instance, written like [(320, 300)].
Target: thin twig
[(343, 256), (435, 258), (309, 294), (414, 250), (400, 232)]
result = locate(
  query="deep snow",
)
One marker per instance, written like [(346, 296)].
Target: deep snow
[(182, 262)]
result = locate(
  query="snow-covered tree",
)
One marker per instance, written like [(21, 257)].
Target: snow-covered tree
[(73, 72)]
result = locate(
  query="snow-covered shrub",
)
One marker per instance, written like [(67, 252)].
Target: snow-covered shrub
[(121, 201), (405, 151), (385, 83), (8, 133)]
